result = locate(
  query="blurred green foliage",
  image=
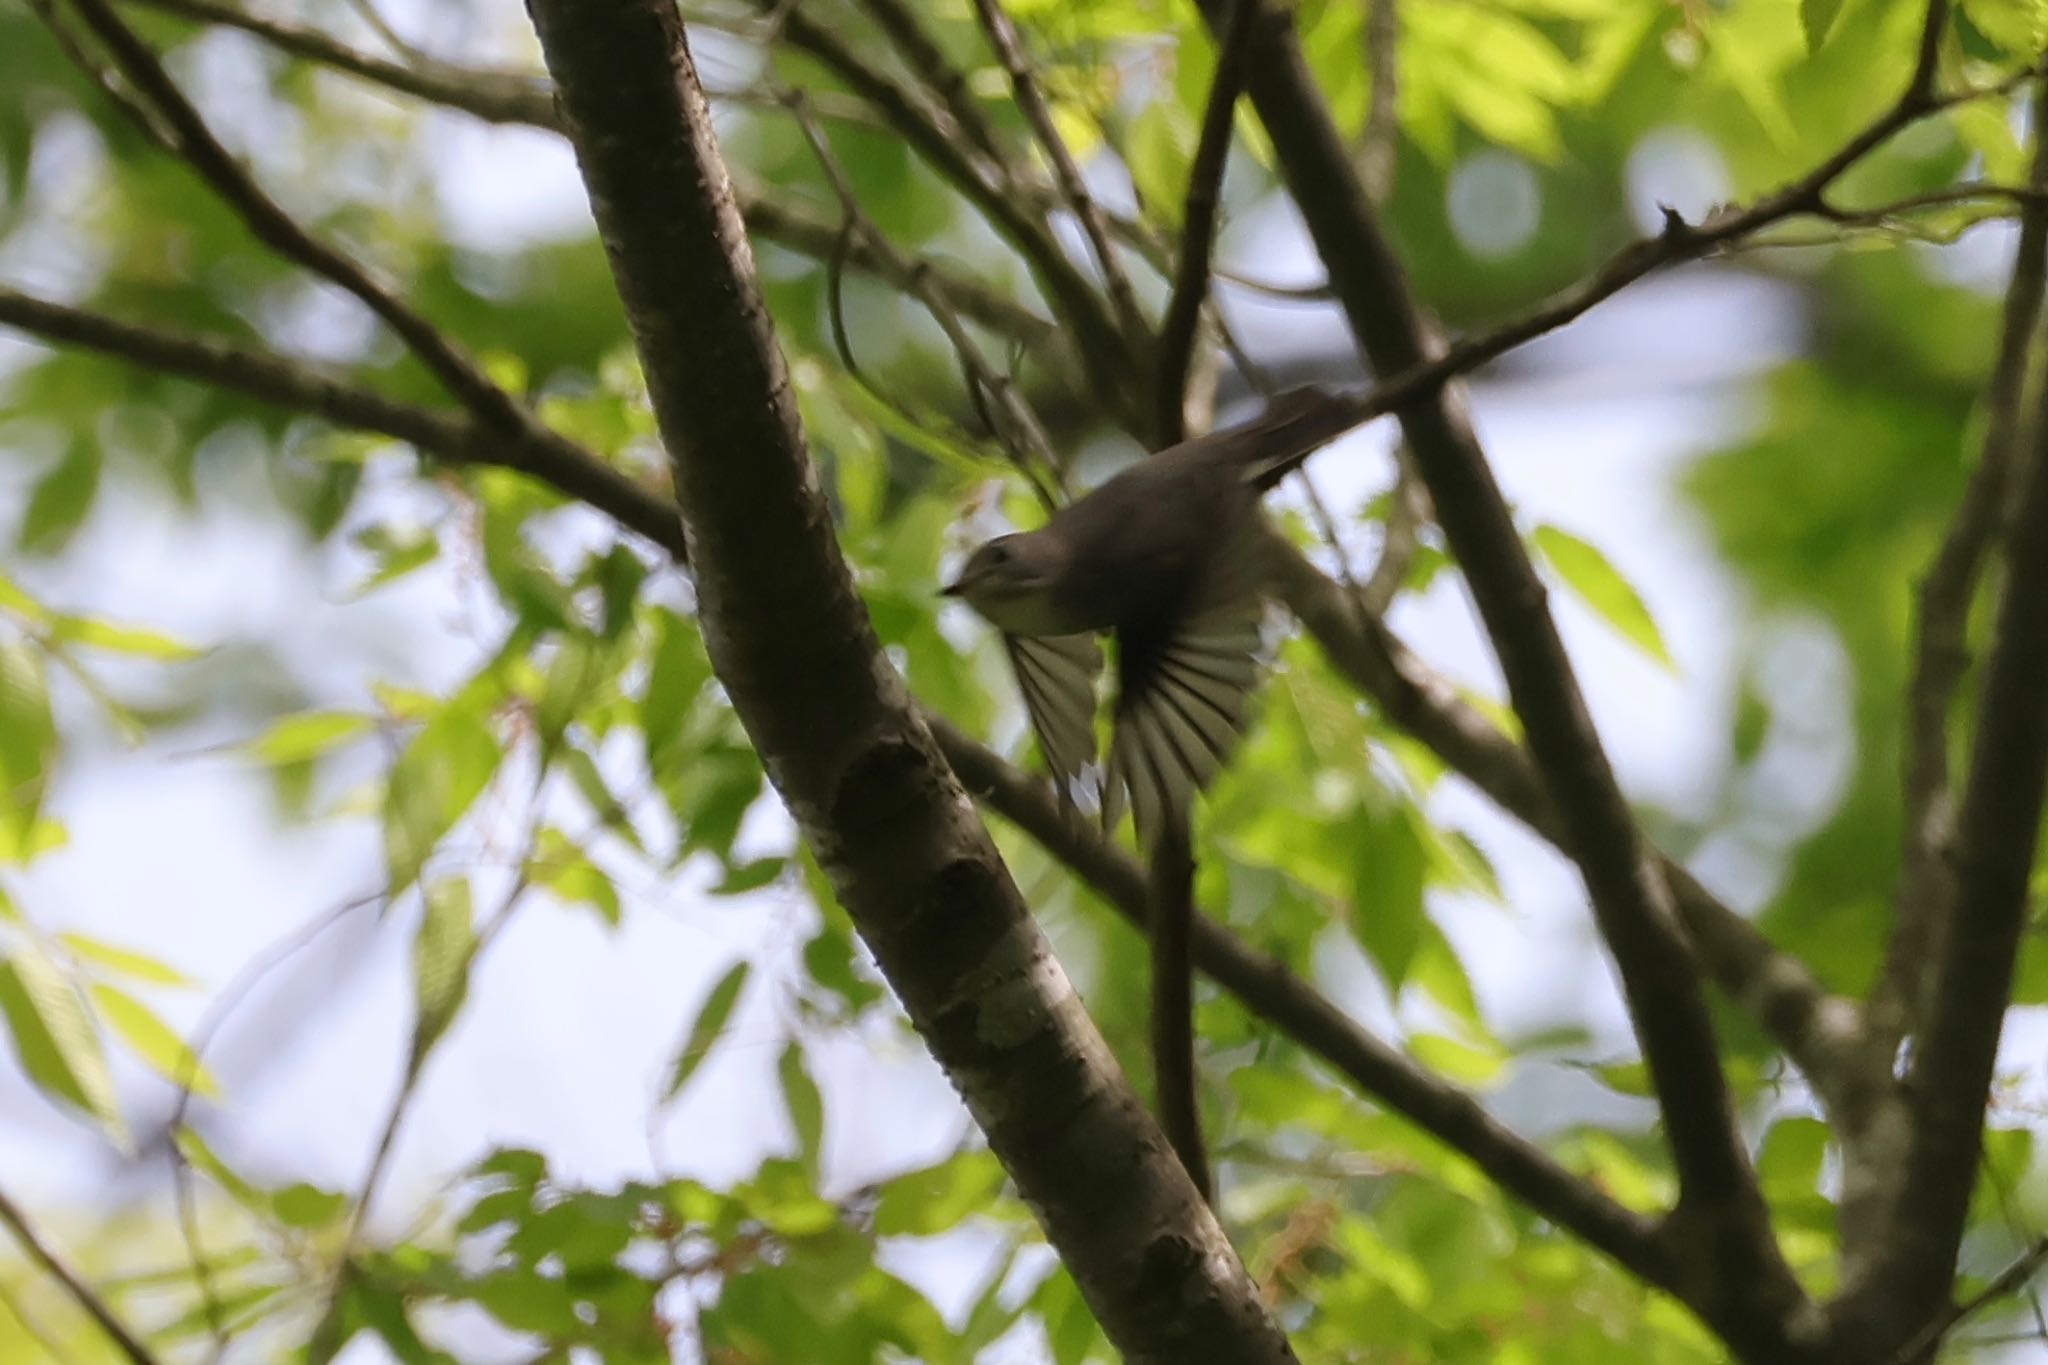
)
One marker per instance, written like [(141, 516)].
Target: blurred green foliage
[(1322, 844)]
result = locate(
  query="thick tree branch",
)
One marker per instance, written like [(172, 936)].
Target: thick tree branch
[(840, 739), (1737, 1279), (1997, 832), (74, 1284), (1269, 990), (1925, 893), (1181, 323)]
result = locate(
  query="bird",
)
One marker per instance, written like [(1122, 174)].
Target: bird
[(1168, 559)]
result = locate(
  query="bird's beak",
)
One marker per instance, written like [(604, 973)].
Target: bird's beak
[(954, 588)]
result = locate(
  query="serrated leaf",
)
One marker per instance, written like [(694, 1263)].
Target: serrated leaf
[(706, 1028), (440, 960), (156, 1043), (54, 1036), (1600, 586), (805, 1106)]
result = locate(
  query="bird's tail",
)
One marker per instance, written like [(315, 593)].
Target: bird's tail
[(1295, 425)]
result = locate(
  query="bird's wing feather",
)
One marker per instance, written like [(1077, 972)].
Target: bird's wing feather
[(1184, 690), (1056, 674)]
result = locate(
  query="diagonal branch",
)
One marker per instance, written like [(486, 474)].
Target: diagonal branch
[(1182, 320), (939, 144), (921, 54), (491, 95), (1269, 990), (262, 375), (1818, 1031), (275, 228), (1727, 1227), (1009, 50), (81, 1293), (839, 737)]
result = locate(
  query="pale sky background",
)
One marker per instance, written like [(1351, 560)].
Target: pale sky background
[(570, 1027)]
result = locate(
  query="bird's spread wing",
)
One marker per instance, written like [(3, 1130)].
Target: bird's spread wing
[(1056, 674), (1184, 689)]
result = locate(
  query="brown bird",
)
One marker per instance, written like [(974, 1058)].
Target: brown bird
[(1167, 557)]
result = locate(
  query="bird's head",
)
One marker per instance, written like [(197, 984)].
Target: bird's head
[(1010, 580)]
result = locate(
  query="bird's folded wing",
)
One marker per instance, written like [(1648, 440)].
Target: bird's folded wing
[(1056, 674), (1184, 691)]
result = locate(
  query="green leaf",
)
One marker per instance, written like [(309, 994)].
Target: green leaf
[(562, 867), (706, 1028), (307, 735), (152, 1040), (1387, 907), (750, 876), (28, 742), (441, 772), (300, 1205), (805, 1105), (54, 1035), (441, 954), (60, 500), (676, 674), (120, 639), (923, 1203), (1588, 574), (1817, 17), (1461, 1061), (123, 961)]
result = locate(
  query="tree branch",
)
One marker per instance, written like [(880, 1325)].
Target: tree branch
[(1264, 985), (74, 1284), (275, 228), (858, 771), (269, 378), (922, 55), (1009, 50), (1104, 356), (1819, 1032), (495, 96), (1997, 831), (1182, 320), (1737, 1278), (1925, 892)]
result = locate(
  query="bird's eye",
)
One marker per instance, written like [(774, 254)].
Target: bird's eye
[(997, 554)]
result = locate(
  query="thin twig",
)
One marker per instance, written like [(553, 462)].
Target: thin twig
[(74, 1284), (278, 230), (1181, 323), (1021, 434), (1009, 49), (496, 96), (1379, 146), (270, 378), (2008, 1282), (921, 55)]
